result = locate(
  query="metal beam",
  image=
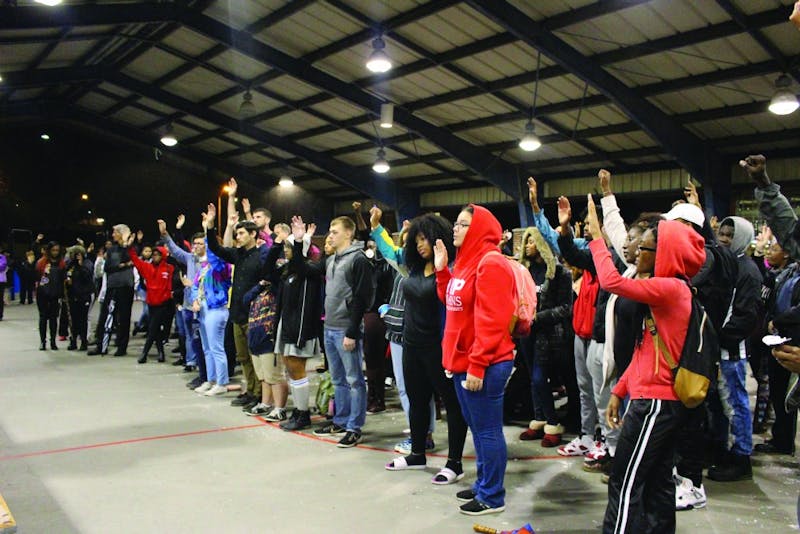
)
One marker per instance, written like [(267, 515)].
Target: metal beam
[(369, 184), (30, 17), (497, 171), (681, 143)]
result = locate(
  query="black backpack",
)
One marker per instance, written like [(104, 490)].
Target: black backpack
[(700, 357)]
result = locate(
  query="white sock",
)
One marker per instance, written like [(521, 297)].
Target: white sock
[(300, 393)]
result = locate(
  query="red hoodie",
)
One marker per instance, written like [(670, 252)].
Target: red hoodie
[(479, 301), (680, 252), (157, 277)]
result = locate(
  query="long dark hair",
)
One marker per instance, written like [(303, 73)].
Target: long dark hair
[(433, 227)]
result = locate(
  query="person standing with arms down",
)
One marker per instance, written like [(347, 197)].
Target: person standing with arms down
[(477, 348), (49, 290), (348, 294)]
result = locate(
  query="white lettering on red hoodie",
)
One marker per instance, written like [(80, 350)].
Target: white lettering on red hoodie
[(680, 252), (479, 295)]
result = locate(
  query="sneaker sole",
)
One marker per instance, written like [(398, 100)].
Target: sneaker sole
[(485, 512), (248, 414), (330, 433), (348, 445), (462, 499), (690, 507)]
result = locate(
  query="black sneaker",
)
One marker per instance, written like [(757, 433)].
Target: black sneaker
[(465, 495), (350, 439), (251, 404), (242, 399), (195, 382), (476, 507), (331, 429), (298, 421)]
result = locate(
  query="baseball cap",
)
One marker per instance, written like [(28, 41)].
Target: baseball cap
[(687, 212)]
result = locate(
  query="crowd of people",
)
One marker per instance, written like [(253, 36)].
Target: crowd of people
[(434, 308)]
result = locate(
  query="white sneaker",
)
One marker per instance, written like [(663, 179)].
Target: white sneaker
[(688, 497), (598, 452), (202, 388), (216, 390), (577, 447)]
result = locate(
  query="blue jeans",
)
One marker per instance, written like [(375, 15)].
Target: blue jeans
[(730, 410), (189, 329), (212, 334), (483, 412), (350, 388), (544, 408)]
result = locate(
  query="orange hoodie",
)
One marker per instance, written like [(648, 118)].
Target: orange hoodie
[(479, 301), (680, 252)]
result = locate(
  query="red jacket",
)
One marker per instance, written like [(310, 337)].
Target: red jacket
[(157, 277), (479, 301), (680, 252)]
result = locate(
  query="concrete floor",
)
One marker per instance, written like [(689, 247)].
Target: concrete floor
[(108, 446)]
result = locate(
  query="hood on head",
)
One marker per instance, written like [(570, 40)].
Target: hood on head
[(544, 251), (680, 250), (484, 234), (743, 233), (164, 251)]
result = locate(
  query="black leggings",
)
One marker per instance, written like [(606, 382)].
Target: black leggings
[(424, 374), (158, 326), (79, 311), (48, 314)]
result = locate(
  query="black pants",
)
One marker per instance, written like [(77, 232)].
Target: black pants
[(230, 347), (79, 311), (158, 326), (375, 344), (691, 444), (641, 492), (423, 373), (115, 312), (64, 319), (48, 315), (2, 298), (785, 427), (26, 291)]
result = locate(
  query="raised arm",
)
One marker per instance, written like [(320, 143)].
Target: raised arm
[(177, 252), (224, 253), (612, 219)]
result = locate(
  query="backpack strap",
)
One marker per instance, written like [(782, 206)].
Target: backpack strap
[(661, 347)]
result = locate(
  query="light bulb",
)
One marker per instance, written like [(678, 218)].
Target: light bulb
[(785, 101), (381, 166), (247, 109), (378, 61), (285, 181), (530, 141), (387, 115), (50, 3), (168, 139)]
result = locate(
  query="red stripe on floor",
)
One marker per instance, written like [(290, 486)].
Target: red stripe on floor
[(127, 441)]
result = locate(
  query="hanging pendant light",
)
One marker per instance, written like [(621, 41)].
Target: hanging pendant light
[(378, 61), (784, 101), (530, 141), (381, 166), (247, 109), (285, 181), (169, 139), (387, 115)]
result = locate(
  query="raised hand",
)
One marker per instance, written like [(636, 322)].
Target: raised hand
[(375, 214), (564, 211), (162, 227), (233, 218), (246, 205), (232, 187), (690, 192), (180, 222), (312, 229), (139, 236), (406, 225), (795, 16), (533, 194), (714, 223), (211, 214), (605, 181), (592, 222), (356, 206), (298, 228), (756, 168), (440, 259)]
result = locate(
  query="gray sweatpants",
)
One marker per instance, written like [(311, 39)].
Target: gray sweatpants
[(594, 397)]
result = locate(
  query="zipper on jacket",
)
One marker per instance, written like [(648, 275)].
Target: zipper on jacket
[(302, 312)]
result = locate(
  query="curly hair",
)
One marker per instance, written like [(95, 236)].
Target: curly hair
[(432, 227)]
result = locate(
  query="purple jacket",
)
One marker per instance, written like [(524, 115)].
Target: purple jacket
[(3, 268)]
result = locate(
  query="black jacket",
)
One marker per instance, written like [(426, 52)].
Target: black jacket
[(582, 259), (248, 265), (117, 276), (745, 309), (554, 312), (80, 280), (299, 301)]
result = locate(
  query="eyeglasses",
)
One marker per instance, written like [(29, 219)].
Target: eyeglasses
[(460, 224), (646, 249)]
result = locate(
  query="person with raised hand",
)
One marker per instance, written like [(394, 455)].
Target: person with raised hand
[(479, 295), (422, 369), (641, 492)]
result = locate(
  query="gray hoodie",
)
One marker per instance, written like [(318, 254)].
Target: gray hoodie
[(349, 290), (743, 233)]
